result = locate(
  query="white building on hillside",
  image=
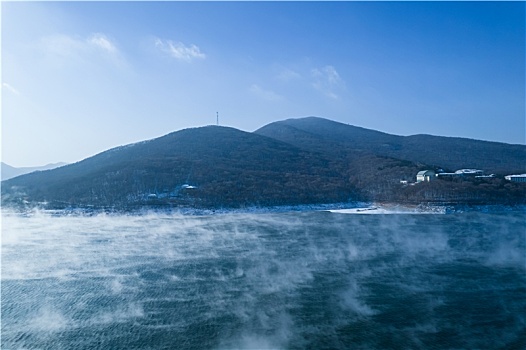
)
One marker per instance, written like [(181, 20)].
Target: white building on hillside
[(425, 175), (469, 172), (516, 178)]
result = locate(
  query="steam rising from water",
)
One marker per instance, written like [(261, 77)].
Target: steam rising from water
[(298, 280)]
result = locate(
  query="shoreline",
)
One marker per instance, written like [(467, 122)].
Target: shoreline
[(378, 208)]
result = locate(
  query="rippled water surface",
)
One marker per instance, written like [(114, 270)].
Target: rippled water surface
[(314, 280)]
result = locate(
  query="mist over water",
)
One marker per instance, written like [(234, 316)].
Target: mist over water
[(312, 280)]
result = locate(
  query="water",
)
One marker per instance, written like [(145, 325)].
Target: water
[(313, 280)]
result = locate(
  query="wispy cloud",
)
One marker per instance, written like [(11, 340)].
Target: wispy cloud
[(65, 45), (10, 89), (179, 50), (327, 80), (267, 95), (100, 41), (287, 75)]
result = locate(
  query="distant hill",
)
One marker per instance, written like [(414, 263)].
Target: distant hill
[(450, 153), (376, 162), (9, 172), (204, 167), (296, 161)]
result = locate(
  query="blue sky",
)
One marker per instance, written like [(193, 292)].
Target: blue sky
[(79, 78)]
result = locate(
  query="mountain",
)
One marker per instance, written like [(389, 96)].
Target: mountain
[(295, 161), (9, 172), (450, 153), (376, 163), (203, 167)]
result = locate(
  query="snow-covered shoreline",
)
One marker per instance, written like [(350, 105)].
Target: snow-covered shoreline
[(384, 210)]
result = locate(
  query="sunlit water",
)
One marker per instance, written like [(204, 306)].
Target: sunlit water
[(314, 280)]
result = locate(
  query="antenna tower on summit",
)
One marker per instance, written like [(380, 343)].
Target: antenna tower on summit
[(217, 118)]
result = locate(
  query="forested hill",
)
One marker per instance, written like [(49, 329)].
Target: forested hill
[(450, 153), (296, 161), (203, 167)]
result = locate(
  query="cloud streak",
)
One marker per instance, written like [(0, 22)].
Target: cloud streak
[(180, 51), (65, 45), (287, 75), (10, 88), (327, 81), (100, 41)]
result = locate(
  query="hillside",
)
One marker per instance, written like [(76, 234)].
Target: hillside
[(296, 161), (226, 166), (450, 153), (375, 162)]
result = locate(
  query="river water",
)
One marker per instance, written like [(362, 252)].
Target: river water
[(303, 280)]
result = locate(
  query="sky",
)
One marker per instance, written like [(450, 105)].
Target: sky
[(79, 78)]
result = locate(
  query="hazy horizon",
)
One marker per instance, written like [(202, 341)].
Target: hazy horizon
[(79, 78)]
